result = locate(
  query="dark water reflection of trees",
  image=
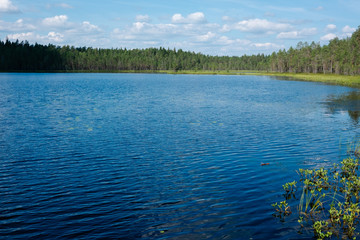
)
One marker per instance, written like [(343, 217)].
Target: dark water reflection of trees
[(349, 102)]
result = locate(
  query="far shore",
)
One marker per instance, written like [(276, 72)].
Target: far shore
[(334, 79)]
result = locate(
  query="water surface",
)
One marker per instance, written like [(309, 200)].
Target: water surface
[(150, 156)]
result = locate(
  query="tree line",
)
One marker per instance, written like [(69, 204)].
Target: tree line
[(340, 56), (21, 56)]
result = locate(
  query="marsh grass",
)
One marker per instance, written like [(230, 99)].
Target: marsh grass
[(334, 79)]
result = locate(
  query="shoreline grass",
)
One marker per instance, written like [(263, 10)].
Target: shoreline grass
[(333, 79)]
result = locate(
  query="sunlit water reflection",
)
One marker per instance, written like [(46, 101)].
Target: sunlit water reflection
[(161, 156)]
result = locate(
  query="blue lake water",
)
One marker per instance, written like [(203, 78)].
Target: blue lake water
[(152, 156)]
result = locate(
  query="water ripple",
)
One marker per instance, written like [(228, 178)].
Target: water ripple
[(157, 156)]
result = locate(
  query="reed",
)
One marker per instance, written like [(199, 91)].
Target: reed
[(329, 200)]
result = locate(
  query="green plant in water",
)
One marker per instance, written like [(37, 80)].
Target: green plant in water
[(319, 228), (329, 200), (282, 209), (289, 189)]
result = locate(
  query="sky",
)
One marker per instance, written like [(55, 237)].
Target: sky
[(227, 27)]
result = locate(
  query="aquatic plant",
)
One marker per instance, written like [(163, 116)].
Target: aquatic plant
[(329, 200)]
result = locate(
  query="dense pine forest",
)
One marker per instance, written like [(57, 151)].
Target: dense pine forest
[(340, 56)]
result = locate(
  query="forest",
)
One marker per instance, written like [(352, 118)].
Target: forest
[(340, 56)]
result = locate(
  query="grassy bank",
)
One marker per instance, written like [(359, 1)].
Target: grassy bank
[(335, 79), (343, 80)]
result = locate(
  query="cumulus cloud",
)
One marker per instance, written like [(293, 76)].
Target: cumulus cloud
[(7, 6), (21, 36), (193, 18), (258, 26), (56, 21), (88, 27), (206, 37), (19, 25), (297, 34), (84, 33), (187, 32), (56, 37), (330, 27), (193, 27), (328, 37), (266, 45), (348, 29), (31, 36), (142, 18), (288, 35), (146, 31), (224, 40), (345, 32)]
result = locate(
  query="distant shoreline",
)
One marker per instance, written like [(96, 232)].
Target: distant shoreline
[(333, 79)]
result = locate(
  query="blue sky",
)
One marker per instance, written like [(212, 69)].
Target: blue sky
[(226, 27)]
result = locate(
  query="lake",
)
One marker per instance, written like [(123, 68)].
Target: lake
[(155, 156)]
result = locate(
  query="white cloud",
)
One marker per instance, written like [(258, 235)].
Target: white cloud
[(56, 37), (19, 25), (7, 6), (206, 37), (193, 27), (348, 29), (193, 31), (88, 27), (59, 30), (32, 37), (224, 40), (84, 33), (57, 21), (197, 17), (193, 18), (297, 34), (147, 31), (142, 18), (308, 32), (330, 27), (21, 36), (319, 8), (345, 32), (258, 26), (288, 35), (266, 45), (177, 18), (328, 37)]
